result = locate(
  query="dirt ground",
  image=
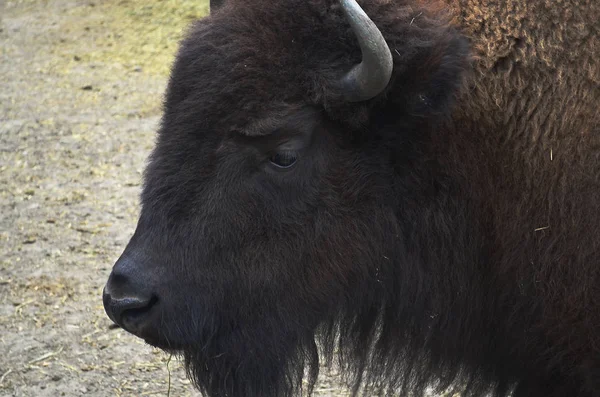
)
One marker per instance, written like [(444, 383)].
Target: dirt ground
[(81, 84)]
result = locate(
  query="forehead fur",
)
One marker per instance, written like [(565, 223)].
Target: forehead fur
[(248, 58)]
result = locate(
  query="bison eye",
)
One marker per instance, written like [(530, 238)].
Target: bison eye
[(283, 159)]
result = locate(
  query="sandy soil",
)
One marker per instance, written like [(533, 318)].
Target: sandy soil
[(81, 84)]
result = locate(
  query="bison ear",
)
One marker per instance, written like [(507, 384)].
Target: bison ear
[(429, 79), (215, 4)]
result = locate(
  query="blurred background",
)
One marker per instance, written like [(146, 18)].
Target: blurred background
[(81, 85)]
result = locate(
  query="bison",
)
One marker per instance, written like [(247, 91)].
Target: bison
[(408, 189)]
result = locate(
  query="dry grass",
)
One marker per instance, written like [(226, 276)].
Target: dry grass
[(138, 35), (80, 99)]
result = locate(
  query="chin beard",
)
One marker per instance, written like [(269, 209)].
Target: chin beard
[(252, 367)]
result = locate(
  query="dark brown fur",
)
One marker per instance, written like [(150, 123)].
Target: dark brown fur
[(445, 232), (533, 122)]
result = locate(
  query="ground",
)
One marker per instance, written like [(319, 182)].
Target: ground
[(81, 87)]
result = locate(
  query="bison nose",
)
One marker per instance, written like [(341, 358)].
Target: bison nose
[(127, 301), (123, 310)]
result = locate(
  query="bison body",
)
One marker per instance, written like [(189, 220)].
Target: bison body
[(444, 232)]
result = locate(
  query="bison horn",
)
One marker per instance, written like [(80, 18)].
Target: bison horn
[(371, 76)]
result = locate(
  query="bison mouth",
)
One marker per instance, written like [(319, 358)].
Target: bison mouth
[(150, 318), (174, 337), (140, 317), (133, 319)]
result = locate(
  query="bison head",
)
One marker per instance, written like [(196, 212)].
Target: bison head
[(273, 201)]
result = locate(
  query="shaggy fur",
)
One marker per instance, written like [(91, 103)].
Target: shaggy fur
[(444, 233)]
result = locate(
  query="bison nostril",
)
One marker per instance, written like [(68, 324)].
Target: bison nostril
[(125, 309)]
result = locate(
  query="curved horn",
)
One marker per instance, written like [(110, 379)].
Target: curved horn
[(371, 76)]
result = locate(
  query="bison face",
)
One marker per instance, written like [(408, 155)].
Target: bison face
[(232, 225), (246, 243), (269, 208)]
